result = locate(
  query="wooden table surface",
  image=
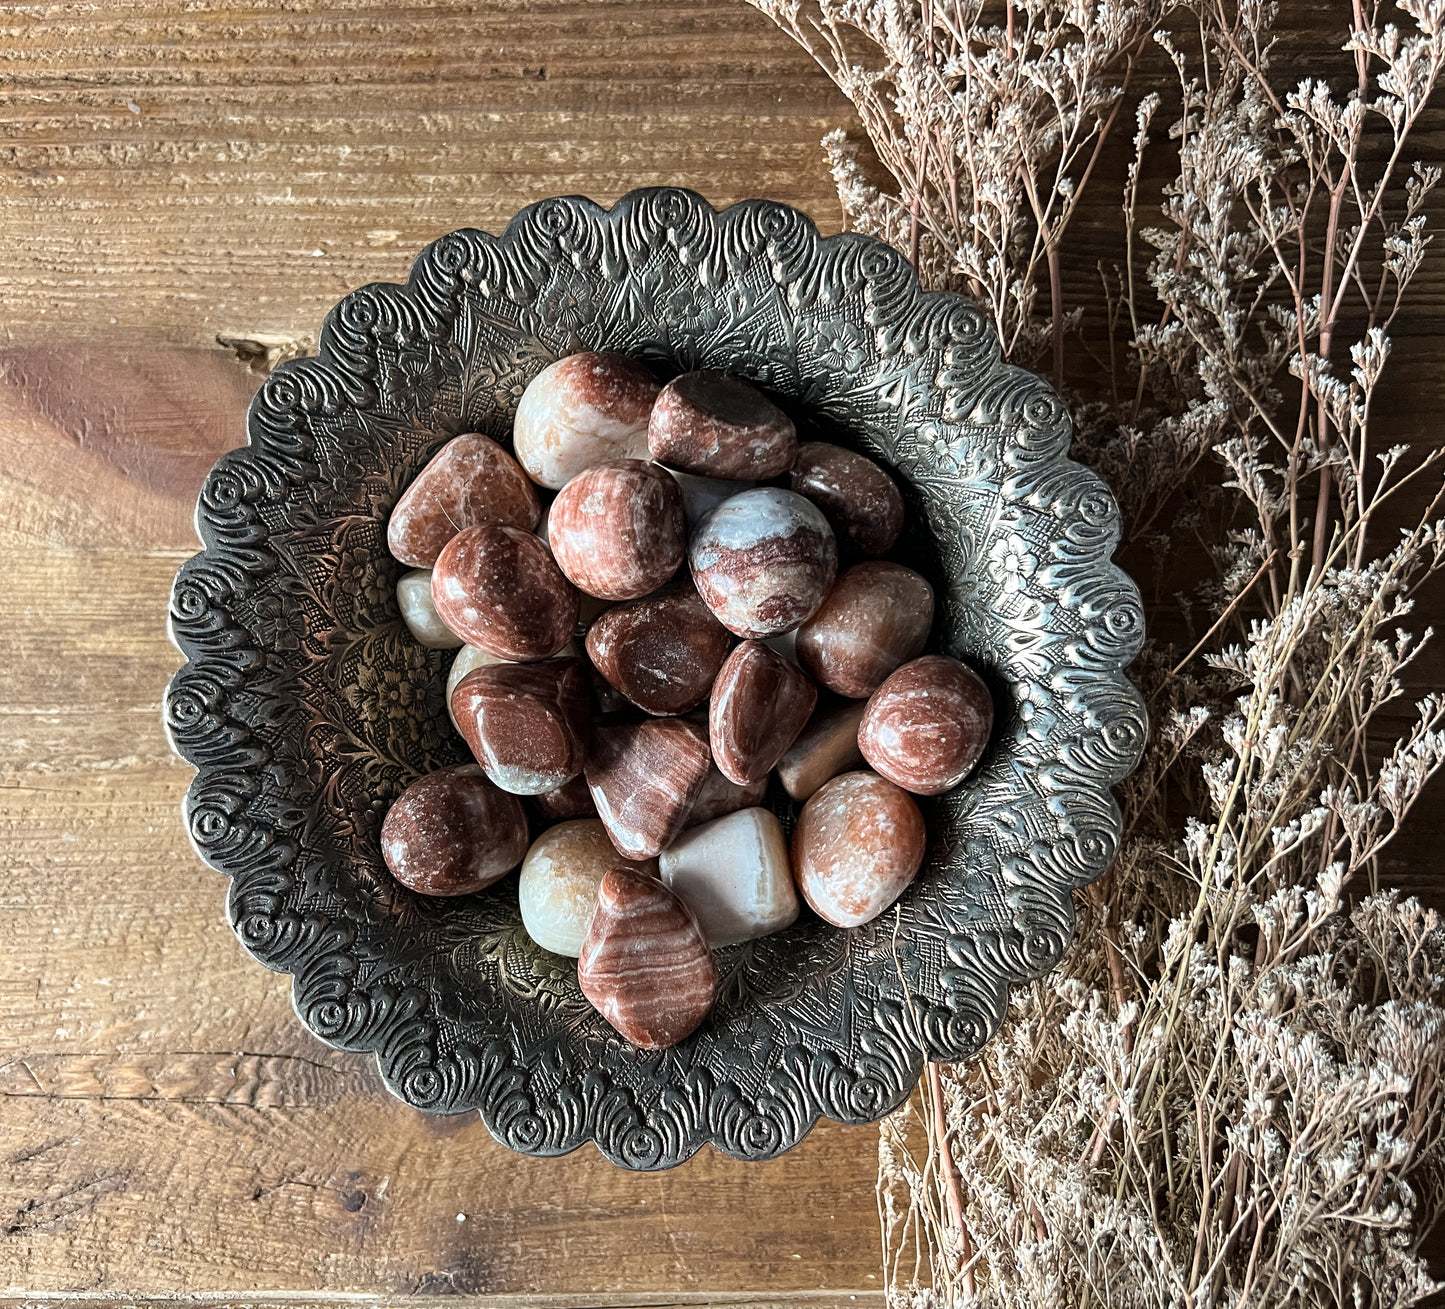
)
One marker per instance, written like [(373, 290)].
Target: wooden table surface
[(177, 170)]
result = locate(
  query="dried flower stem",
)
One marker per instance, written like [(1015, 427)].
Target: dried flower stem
[(1232, 1091)]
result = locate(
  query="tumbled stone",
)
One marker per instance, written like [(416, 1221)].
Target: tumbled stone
[(472, 656), (734, 874), (857, 845), (716, 425), (499, 588), (590, 606), (827, 746), (452, 832), (472, 480), (721, 795), (644, 778), (586, 409), (607, 701), (617, 529), (859, 499), (413, 598), (876, 617), (662, 652), (557, 889), (527, 724), (759, 705), (570, 800), (701, 495), (468, 658), (644, 963), (927, 725), (763, 561)]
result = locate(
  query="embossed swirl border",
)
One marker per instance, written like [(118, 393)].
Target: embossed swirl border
[(306, 708)]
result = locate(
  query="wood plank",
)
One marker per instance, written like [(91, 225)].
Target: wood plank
[(174, 170)]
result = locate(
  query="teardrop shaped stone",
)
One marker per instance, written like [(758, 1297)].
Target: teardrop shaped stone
[(471, 480), (760, 703), (644, 963)]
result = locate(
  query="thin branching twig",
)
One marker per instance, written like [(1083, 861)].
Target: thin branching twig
[(1231, 1092)]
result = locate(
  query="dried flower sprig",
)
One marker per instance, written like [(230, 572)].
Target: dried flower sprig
[(1232, 1091)]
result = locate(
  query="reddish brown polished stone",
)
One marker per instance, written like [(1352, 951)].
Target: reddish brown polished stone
[(663, 652), (498, 588), (570, 800), (452, 832), (763, 561), (759, 705), (721, 796), (617, 530), (857, 844), (827, 746), (527, 724), (716, 425), (586, 409), (471, 481), (644, 778), (859, 499), (876, 617), (644, 963), (927, 725)]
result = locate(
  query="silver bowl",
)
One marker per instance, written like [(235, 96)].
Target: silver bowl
[(306, 707)]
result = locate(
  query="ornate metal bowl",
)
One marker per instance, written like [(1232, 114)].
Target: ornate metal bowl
[(306, 707)]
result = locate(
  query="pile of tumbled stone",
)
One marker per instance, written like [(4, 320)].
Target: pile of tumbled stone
[(645, 754)]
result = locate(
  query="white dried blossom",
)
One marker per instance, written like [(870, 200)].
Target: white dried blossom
[(1231, 1092)]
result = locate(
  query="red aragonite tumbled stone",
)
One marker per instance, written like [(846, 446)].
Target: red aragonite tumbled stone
[(876, 617), (644, 962), (663, 652), (452, 832), (827, 746), (644, 778), (569, 801), (859, 499), (927, 725), (760, 703), (527, 724), (617, 530), (857, 844), (763, 561), (721, 796), (470, 481), (582, 410), (499, 589), (715, 425)]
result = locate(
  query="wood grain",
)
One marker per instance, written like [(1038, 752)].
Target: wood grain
[(176, 170)]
